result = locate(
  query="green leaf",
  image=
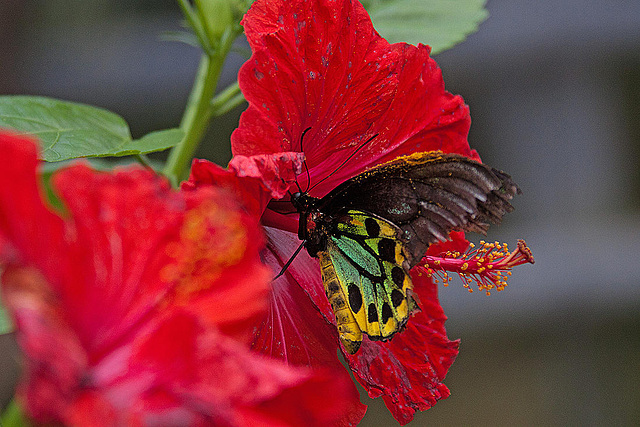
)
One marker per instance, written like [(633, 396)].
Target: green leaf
[(68, 130), (439, 23), (154, 141)]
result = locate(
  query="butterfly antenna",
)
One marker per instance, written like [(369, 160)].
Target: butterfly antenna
[(308, 175), (295, 254), (295, 181), (344, 162)]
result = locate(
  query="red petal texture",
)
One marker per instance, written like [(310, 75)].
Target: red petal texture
[(276, 171), (304, 56), (240, 388), (136, 307), (56, 359), (321, 65)]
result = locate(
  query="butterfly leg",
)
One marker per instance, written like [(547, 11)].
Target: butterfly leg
[(288, 263)]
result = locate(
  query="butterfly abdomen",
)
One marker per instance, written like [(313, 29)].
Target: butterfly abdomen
[(350, 333)]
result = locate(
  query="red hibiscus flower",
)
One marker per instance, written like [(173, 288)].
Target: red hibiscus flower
[(136, 305), (323, 82)]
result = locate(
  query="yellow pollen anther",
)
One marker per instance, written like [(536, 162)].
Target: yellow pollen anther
[(484, 266)]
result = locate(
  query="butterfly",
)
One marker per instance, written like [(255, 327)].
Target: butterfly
[(373, 228)]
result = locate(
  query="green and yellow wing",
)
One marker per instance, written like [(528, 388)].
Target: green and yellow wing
[(365, 274)]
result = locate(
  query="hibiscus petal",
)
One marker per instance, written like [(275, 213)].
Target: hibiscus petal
[(121, 224), (24, 218), (314, 65), (91, 409), (262, 177), (276, 171), (245, 388), (43, 331), (423, 116)]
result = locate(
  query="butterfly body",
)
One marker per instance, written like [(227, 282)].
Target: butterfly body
[(372, 229), (314, 226)]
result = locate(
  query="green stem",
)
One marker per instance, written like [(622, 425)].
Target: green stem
[(230, 105), (226, 100), (194, 23), (198, 111)]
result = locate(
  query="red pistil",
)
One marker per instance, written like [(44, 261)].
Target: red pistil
[(489, 266)]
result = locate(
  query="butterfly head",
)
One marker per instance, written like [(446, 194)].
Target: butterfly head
[(303, 202)]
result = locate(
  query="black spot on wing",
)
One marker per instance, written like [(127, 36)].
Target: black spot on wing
[(355, 298), (387, 250), (372, 226), (386, 312), (396, 298), (397, 275), (372, 314)]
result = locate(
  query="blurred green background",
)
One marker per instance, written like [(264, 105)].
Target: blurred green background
[(554, 91)]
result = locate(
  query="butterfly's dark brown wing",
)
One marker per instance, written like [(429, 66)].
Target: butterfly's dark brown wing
[(427, 195)]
